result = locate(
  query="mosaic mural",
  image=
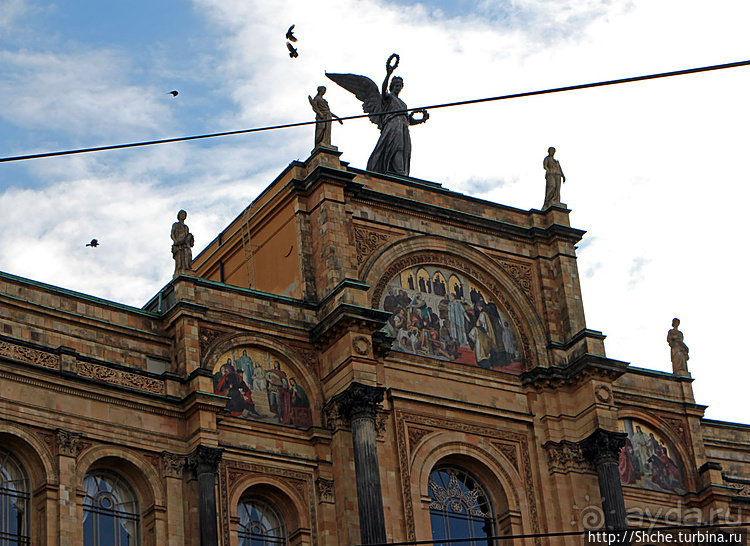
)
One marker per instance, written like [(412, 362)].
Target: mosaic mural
[(440, 313), (261, 386), (648, 460)]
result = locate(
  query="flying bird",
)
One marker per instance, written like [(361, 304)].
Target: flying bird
[(292, 52), (174, 93), (289, 35), (94, 243)]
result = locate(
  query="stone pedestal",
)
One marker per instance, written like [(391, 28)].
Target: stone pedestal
[(204, 462), (358, 403)]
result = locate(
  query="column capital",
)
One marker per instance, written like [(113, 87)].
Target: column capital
[(359, 401), (68, 443), (204, 459), (603, 446)]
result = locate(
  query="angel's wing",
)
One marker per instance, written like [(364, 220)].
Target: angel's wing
[(365, 90)]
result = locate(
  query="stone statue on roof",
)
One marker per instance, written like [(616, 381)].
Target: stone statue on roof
[(678, 348), (182, 243), (392, 153), (554, 176), (323, 117)]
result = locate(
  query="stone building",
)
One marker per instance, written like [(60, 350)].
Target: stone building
[(357, 358)]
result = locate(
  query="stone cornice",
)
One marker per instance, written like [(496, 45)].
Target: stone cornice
[(586, 367), (465, 219), (340, 320)]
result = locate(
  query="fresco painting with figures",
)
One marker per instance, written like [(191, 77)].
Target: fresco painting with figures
[(440, 313), (261, 386), (648, 460)]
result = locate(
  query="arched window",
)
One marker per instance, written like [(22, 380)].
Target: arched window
[(260, 523), (459, 507), (110, 511), (14, 502)]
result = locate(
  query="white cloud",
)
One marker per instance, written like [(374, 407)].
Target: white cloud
[(83, 94)]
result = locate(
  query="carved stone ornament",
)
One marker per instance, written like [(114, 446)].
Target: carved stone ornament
[(120, 377), (359, 401), (207, 336), (603, 394), (361, 345), (566, 457), (367, 242), (68, 443), (172, 464), (31, 356), (204, 459), (603, 446), (324, 488)]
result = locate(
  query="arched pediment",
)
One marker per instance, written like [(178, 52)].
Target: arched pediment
[(263, 382), (452, 302), (650, 459)]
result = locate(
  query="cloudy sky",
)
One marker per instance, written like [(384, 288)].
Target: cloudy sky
[(654, 169)]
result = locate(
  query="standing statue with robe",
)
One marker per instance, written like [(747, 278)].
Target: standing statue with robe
[(323, 117), (554, 177), (182, 244), (678, 349), (392, 153)]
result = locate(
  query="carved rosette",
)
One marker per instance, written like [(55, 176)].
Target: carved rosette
[(359, 401), (30, 356), (172, 465), (324, 488), (68, 443), (566, 457), (361, 345), (603, 394), (603, 446), (204, 459), (522, 275)]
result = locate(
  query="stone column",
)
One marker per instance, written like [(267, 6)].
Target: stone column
[(359, 404), (204, 462), (71, 513), (602, 448)]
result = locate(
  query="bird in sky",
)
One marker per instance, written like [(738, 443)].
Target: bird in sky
[(94, 243), (174, 93), (292, 51), (289, 35)]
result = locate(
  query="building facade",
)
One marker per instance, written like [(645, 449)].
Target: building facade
[(357, 358)]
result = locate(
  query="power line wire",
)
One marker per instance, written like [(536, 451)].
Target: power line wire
[(432, 107)]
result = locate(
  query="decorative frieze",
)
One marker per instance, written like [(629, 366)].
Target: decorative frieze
[(30, 356), (120, 377)]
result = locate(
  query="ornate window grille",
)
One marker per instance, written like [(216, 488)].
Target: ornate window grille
[(260, 523), (459, 508), (110, 511), (14, 502)]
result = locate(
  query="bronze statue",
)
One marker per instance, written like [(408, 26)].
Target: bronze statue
[(183, 241), (323, 116), (553, 175), (678, 349), (392, 153)]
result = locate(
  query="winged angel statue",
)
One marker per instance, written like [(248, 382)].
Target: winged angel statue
[(392, 153)]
